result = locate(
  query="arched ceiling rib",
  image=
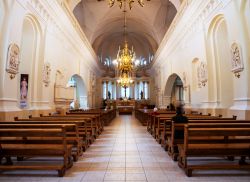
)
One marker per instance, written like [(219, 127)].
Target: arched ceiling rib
[(103, 26)]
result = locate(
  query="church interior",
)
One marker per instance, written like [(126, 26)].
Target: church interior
[(124, 90)]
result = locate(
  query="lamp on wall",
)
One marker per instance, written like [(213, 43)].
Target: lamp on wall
[(123, 2)]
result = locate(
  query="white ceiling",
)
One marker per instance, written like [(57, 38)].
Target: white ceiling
[(103, 26)]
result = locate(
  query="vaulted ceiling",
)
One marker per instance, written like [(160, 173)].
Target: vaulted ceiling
[(103, 26)]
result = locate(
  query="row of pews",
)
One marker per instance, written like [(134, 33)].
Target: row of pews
[(51, 142), (209, 142)]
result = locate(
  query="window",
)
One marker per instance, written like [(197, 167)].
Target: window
[(104, 90)]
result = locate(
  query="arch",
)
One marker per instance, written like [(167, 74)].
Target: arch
[(80, 90), (173, 92), (176, 3), (220, 78), (29, 54)]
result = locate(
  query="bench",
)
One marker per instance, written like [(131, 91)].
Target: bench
[(172, 142), (91, 123), (72, 134), (235, 143), (81, 125), (18, 145), (165, 126)]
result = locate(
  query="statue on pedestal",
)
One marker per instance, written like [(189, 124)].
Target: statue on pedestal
[(109, 95), (141, 94)]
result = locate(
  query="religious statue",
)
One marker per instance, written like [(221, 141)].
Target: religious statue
[(109, 95), (24, 89), (141, 94)]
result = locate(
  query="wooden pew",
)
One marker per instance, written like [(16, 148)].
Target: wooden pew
[(95, 117), (46, 150), (81, 124), (234, 145), (173, 142), (72, 134), (159, 120), (89, 126), (106, 116), (91, 122), (164, 130)]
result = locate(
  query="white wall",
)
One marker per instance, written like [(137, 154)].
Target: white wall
[(50, 36), (189, 38)]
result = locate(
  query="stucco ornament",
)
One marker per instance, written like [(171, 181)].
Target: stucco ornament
[(237, 63), (185, 83), (12, 65), (46, 73), (202, 74)]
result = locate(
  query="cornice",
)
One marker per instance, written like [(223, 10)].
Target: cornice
[(179, 30), (53, 12)]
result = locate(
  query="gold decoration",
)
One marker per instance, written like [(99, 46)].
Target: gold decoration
[(122, 3), (125, 59), (125, 80)]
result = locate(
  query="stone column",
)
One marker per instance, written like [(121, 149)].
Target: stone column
[(117, 91), (132, 91)]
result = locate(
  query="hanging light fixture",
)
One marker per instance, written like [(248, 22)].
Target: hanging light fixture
[(125, 81), (126, 56), (123, 3)]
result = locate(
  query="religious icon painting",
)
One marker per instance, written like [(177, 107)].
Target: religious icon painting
[(24, 90)]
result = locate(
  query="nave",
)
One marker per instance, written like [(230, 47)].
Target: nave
[(125, 151)]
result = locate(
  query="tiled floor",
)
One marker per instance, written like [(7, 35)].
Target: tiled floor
[(126, 152)]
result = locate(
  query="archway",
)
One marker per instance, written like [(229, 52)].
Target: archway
[(80, 90), (173, 93), (29, 59), (220, 78)]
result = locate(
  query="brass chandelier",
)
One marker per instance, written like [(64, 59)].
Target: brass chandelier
[(124, 81), (123, 2), (125, 59)]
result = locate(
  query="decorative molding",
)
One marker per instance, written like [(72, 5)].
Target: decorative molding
[(185, 82), (46, 73), (202, 74), (12, 65), (178, 32), (242, 99), (8, 99), (42, 102), (237, 63)]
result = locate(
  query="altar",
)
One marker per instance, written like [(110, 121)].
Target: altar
[(125, 106)]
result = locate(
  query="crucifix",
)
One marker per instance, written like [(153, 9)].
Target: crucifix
[(125, 87)]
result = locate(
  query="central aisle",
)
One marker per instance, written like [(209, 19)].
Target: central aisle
[(125, 151)]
